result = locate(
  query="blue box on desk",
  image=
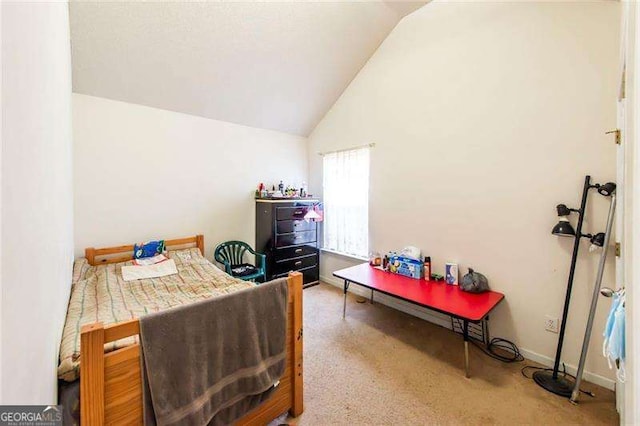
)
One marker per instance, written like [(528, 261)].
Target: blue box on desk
[(406, 266)]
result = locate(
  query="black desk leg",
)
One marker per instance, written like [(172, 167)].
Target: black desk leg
[(465, 336), (344, 304), (371, 295), (487, 335)]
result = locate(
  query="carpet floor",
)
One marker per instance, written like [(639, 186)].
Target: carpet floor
[(381, 367)]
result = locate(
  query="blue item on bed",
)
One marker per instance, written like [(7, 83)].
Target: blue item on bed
[(148, 249)]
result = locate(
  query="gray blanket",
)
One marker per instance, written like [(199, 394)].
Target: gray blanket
[(213, 361)]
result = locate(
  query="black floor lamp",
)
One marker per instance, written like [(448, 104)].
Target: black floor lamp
[(551, 380)]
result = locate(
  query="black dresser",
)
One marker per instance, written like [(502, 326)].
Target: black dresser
[(290, 242)]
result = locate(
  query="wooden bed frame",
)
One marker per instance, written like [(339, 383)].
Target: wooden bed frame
[(110, 383)]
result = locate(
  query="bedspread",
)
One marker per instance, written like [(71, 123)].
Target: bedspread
[(99, 294)]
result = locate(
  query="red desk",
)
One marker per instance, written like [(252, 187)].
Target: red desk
[(434, 295)]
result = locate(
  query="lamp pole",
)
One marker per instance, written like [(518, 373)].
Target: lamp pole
[(572, 270), (594, 300), (553, 383)]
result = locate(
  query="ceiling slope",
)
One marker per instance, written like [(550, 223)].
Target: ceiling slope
[(271, 65)]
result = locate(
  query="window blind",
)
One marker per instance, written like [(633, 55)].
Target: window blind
[(346, 201)]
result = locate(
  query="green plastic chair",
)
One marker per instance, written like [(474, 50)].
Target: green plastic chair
[(231, 255)]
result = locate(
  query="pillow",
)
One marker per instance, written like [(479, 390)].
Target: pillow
[(148, 249)]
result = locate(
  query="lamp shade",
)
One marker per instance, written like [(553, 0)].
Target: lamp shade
[(607, 189), (563, 210), (598, 239), (311, 215), (563, 229)]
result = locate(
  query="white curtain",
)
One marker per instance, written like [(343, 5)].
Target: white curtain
[(346, 201)]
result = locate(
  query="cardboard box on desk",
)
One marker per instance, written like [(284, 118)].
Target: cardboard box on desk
[(406, 266)]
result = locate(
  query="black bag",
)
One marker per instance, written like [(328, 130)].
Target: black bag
[(243, 270), (474, 282)]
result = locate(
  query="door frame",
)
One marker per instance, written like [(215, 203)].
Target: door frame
[(631, 211)]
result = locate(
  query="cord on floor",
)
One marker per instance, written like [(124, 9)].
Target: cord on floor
[(510, 352), (509, 349)]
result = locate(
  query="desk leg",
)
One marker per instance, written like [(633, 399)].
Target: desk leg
[(486, 328), (465, 336), (344, 303), (371, 295)]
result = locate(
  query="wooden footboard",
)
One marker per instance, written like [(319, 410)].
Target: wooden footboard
[(111, 386)]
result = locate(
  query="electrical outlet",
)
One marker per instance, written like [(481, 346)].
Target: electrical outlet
[(551, 324)]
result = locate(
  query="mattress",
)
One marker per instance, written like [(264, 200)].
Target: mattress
[(99, 294)]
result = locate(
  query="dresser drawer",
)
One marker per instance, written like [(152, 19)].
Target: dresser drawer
[(289, 252), (295, 238), (295, 264), (289, 213), (288, 226), (309, 275)]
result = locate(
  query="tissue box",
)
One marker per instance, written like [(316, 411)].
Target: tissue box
[(406, 266)]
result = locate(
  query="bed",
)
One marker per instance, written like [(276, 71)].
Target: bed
[(100, 340)]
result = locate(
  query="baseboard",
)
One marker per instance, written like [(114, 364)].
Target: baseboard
[(444, 321)]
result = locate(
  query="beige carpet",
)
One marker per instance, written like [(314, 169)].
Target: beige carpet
[(382, 367)]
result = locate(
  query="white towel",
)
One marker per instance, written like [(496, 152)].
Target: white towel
[(138, 272)]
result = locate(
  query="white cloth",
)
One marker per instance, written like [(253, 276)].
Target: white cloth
[(613, 347), (151, 260), (138, 272)]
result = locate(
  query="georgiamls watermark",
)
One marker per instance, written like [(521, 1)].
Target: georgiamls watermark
[(30, 415)]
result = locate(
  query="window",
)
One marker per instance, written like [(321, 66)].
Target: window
[(346, 201)]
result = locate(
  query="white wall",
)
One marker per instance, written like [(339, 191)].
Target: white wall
[(143, 173), (487, 115), (37, 204)]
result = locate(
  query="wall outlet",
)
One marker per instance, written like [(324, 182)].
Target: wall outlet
[(551, 324)]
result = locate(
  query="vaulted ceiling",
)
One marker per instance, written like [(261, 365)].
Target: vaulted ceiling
[(272, 65)]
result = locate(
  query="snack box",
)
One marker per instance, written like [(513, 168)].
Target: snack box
[(406, 266)]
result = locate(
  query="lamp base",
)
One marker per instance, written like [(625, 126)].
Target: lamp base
[(560, 385)]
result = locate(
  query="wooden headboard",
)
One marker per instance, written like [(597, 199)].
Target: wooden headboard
[(124, 253)]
